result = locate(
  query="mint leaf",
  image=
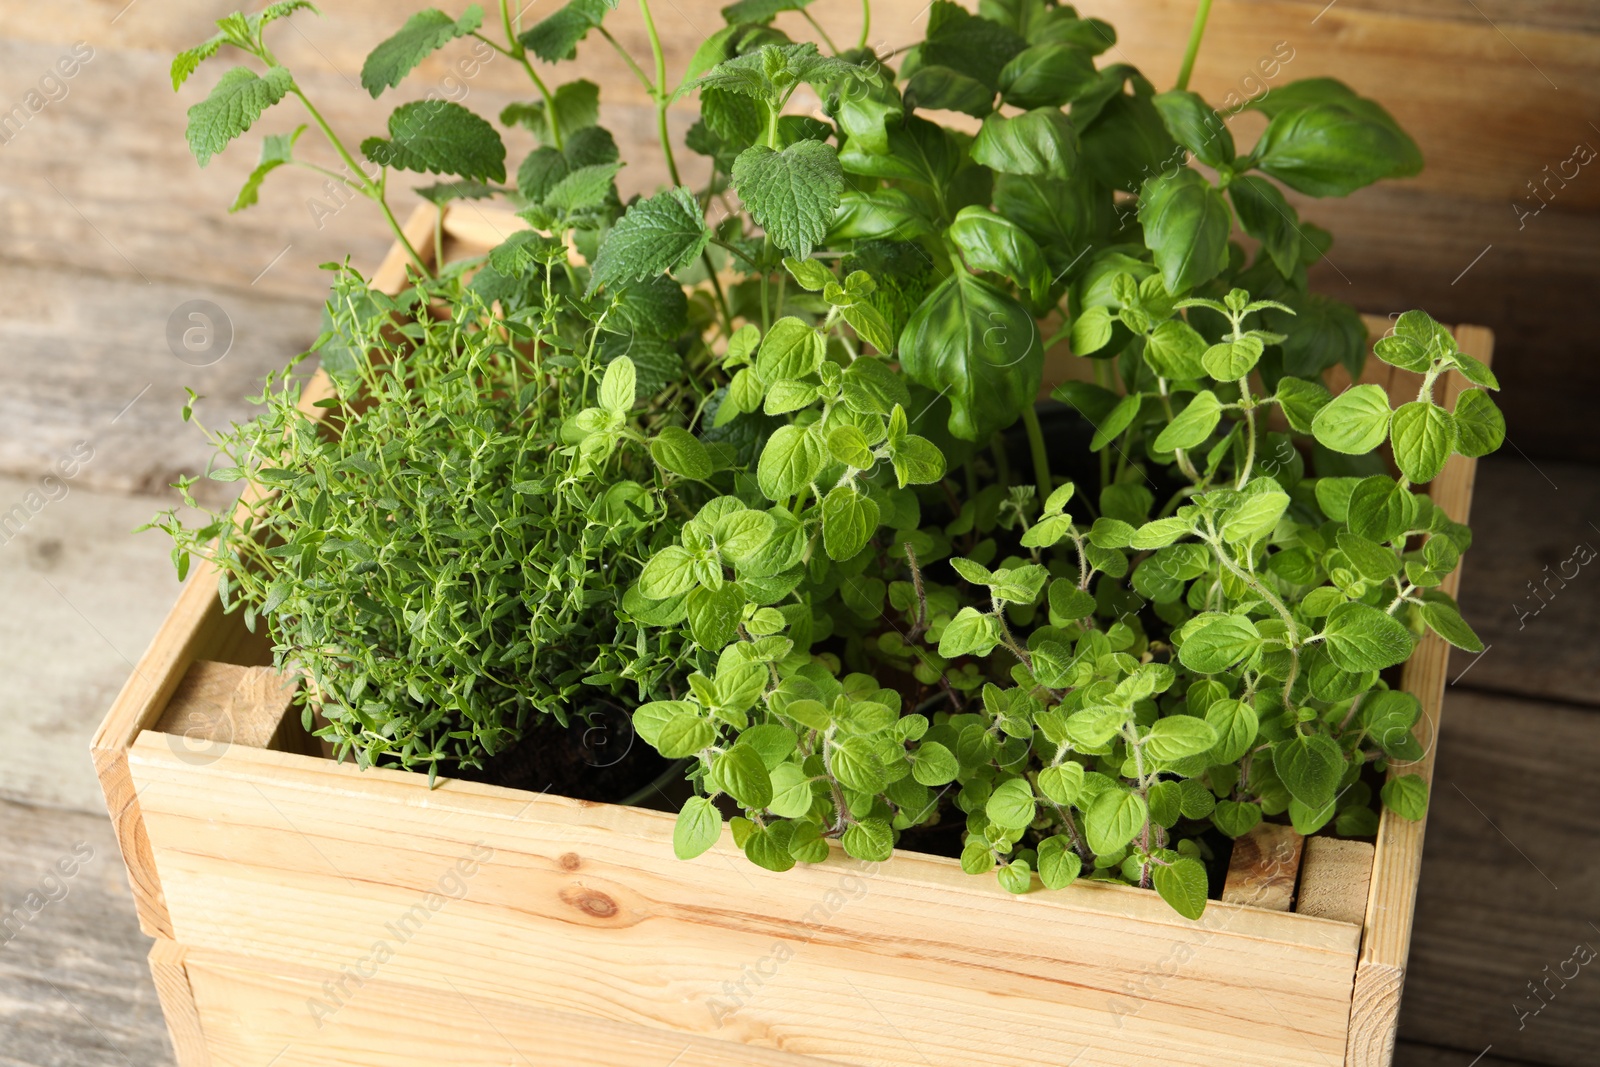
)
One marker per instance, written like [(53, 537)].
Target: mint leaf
[(792, 194), (233, 106), (423, 34), (664, 233), (577, 107), (276, 150), (439, 137), (556, 38)]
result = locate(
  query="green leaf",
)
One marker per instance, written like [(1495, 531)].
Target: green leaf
[(577, 108), (1182, 884), (677, 450), (557, 36), (1407, 796), (714, 615), (1380, 508), (684, 735), (1333, 149), (1046, 75), (932, 764), (582, 189), (1300, 401), (276, 150), (870, 840), (1362, 638), (848, 445), (423, 34), (1423, 435), (1480, 428), (1173, 349), (1235, 724), (980, 349), (792, 194), (1236, 819), (1011, 806), (232, 107), (1253, 516), (971, 632), (1269, 218), (768, 846), (809, 273), (617, 386), (1354, 422), (791, 349), (1015, 877), (1443, 619), (988, 242), (664, 233), (855, 764), (1186, 224), (440, 137), (1114, 819), (1373, 561), (1388, 716), (698, 827), (1119, 419), (1196, 126), (791, 791), (943, 89), (1230, 360), (917, 461), (670, 573), (1310, 766), (1058, 864), (741, 771), (918, 151), (1178, 736), (1040, 142), (792, 457), (849, 519), (1192, 425), (1218, 643)]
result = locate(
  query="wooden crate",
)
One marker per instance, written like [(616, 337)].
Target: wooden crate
[(306, 912)]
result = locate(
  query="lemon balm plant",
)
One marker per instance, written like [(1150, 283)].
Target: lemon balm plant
[(830, 587)]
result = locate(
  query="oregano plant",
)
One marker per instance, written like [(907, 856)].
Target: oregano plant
[(784, 480)]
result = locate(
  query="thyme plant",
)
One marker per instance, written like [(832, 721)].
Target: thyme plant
[(837, 595)]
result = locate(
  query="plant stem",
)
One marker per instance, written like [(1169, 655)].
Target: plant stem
[(369, 188), (1249, 431), (1196, 31), (1041, 459), (1103, 378), (866, 22), (661, 90), (820, 31), (516, 51)]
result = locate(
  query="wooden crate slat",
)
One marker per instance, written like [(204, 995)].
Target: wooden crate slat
[(1264, 867), (171, 976), (1336, 875), (592, 894)]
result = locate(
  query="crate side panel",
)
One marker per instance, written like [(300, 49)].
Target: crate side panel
[(581, 908)]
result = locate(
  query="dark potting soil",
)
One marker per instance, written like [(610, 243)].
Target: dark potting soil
[(599, 759)]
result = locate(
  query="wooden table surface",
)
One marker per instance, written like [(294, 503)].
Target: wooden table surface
[(107, 228)]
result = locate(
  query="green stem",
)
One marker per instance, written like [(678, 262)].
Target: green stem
[(516, 51), (1250, 431), (1103, 378), (372, 190), (866, 22), (1196, 31), (820, 31), (1041, 459), (638, 71), (660, 91)]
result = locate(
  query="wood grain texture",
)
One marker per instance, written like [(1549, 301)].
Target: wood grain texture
[(169, 972), (1263, 868), (1513, 818), (74, 988), (1525, 588), (226, 704), (1335, 875), (1386, 936), (519, 886)]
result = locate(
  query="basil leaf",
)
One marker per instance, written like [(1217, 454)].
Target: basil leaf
[(1186, 224)]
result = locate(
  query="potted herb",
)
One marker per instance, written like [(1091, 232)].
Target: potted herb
[(780, 488)]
